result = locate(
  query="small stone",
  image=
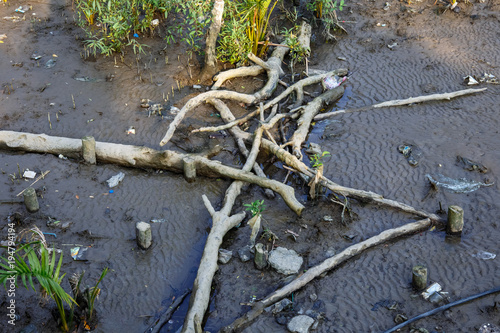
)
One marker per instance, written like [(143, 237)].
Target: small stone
[(285, 261), (225, 256), (300, 324), (280, 306), (313, 297), (245, 253)]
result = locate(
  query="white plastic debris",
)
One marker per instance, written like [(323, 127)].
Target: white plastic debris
[(155, 22), (331, 82), (115, 180), (62, 157), (470, 81), (484, 255), (131, 130), (196, 86), (392, 46), (29, 174), (174, 110), (433, 288)]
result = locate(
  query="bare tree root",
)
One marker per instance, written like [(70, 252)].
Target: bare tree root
[(325, 266), (220, 105), (234, 73), (143, 157), (222, 223), (400, 102), (273, 68), (308, 113)]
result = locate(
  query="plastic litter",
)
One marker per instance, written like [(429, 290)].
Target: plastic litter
[(136, 35), (392, 46), (470, 81), (461, 185), (50, 63), (62, 157), (78, 253), (29, 174), (331, 82), (130, 130), (432, 289), (35, 56), (411, 152), (484, 255), (115, 180), (50, 233), (196, 86), (155, 22)]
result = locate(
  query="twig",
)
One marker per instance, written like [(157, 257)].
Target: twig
[(38, 178), (165, 317)]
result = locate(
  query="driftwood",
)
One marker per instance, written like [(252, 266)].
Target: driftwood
[(142, 157), (400, 102), (325, 266), (236, 72)]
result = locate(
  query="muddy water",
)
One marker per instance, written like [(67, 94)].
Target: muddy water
[(432, 55)]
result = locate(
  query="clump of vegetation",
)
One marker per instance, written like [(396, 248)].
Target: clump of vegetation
[(34, 261), (326, 11), (317, 159), (111, 25), (256, 207)]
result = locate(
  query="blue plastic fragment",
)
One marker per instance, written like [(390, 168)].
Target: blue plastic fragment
[(50, 233), (136, 35), (111, 191)]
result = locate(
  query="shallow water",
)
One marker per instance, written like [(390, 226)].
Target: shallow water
[(433, 54)]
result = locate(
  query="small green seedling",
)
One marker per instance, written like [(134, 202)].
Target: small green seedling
[(317, 159), (256, 207)]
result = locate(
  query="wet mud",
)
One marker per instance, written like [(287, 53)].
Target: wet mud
[(101, 97)]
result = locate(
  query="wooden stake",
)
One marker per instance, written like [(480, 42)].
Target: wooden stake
[(189, 169), (88, 149), (30, 200), (260, 256), (419, 277), (455, 220), (143, 234)]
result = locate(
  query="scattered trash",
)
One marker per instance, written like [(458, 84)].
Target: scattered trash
[(158, 221), (2, 37), (12, 18), (471, 165), (411, 152), (381, 24), (50, 233), (62, 157), (136, 35), (115, 180), (29, 174), (488, 328), (196, 86), (155, 22), (88, 79), (434, 293), (22, 9), (35, 56), (400, 318), (152, 107), (331, 82), (392, 46), (50, 63), (174, 110), (461, 185), (387, 6), (130, 130), (78, 253), (327, 218), (342, 58), (484, 255), (470, 81)]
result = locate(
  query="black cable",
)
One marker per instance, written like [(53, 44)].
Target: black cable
[(442, 308)]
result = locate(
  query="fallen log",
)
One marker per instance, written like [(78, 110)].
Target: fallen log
[(400, 102), (142, 157), (328, 264)]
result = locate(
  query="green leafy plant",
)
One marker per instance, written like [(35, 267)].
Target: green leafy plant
[(298, 53), (326, 11), (317, 159), (256, 207), (44, 270), (256, 14)]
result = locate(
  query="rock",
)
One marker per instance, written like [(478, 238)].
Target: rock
[(280, 306), (285, 261), (300, 324), (225, 256), (29, 329), (245, 254)]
